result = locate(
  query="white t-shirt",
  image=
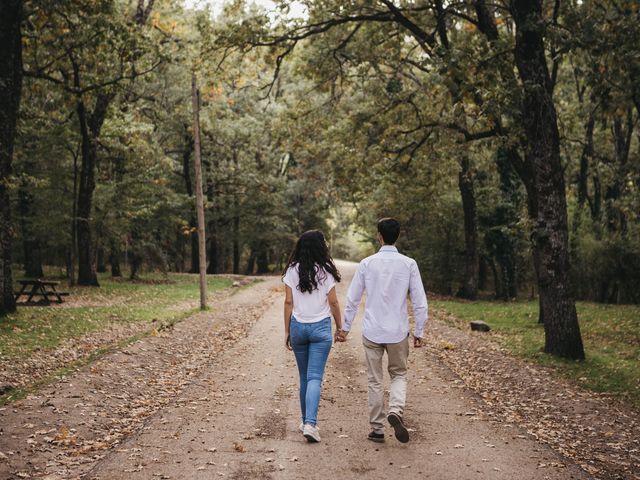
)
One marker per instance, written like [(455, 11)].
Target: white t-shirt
[(310, 307)]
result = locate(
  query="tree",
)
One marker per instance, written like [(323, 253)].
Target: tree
[(99, 29), (531, 110), (600, 113), (543, 176), (500, 224), (10, 88), (202, 265)]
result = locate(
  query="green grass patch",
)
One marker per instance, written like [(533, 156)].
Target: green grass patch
[(611, 336), (156, 298)]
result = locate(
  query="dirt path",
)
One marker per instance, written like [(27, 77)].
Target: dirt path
[(65, 428), (235, 414)]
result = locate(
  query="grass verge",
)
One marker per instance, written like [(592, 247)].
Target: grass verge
[(155, 300), (611, 336)]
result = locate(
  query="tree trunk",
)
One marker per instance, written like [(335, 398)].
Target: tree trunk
[(186, 174), (214, 254), (236, 244), (543, 175), (114, 261), (181, 251), (33, 258), (224, 255), (195, 102), (236, 220), (86, 271), (482, 273), (622, 136), (73, 249), (135, 260), (30, 243), (497, 285), (90, 127), (510, 187), (508, 277), (101, 267), (10, 88), (587, 154), (251, 263), (469, 289), (195, 255), (583, 183), (512, 276), (214, 247), (262, 257), (447, 262)]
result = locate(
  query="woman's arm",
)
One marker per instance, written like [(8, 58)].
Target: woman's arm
[(335, 308), (288, 310)]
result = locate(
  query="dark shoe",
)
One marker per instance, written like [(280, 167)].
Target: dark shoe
[(376, 437), (395, 420)]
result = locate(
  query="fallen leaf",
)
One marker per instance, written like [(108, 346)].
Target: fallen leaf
[(238, 448), (446, 345)]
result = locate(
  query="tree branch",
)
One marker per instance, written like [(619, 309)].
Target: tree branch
[(302, 32), (427, 41)]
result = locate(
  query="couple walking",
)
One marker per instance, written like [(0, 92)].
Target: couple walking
[(310, 279)]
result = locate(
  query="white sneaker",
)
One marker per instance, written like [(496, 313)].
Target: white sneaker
[(311, 433), (301, 427)]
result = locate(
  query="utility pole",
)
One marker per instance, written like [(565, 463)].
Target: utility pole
[(202, 250)]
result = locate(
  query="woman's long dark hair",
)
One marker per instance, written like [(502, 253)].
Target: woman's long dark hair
[(314, 261)]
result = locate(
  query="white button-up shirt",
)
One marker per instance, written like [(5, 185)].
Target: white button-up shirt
[(387, 276)]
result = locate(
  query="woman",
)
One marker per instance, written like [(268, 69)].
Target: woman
[(310, 279)]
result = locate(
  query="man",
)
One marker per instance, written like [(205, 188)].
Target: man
[(387, 277)]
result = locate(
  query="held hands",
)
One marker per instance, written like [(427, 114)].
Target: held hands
[(340, 336), (417, 342)]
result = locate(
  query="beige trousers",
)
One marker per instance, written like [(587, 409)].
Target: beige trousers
[(397, 354)]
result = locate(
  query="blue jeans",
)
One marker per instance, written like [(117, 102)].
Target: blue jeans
[(311, 343)]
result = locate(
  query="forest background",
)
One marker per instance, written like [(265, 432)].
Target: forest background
[(503, 136)]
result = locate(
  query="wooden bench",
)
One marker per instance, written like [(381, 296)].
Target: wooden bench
[(40, 288)]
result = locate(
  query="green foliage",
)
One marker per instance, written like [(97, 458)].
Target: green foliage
[(606, 267), (600, 108), (361, 122), (502, 222), (143, 203)]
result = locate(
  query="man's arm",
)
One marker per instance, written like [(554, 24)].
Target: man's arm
[(419, 303), (354, 295)]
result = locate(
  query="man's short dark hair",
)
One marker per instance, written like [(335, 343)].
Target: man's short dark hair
[(389, 228)]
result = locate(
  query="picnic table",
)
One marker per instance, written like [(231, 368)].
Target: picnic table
[(40, 288)]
